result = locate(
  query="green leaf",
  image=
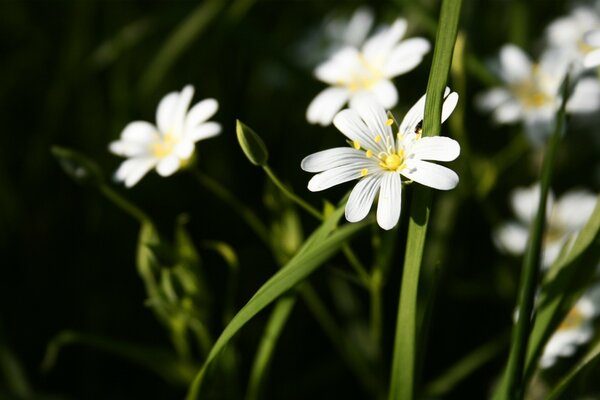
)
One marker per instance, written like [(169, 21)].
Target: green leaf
[(313, 254), (403, 376), (160, 361), (79, 168), (253, 146)]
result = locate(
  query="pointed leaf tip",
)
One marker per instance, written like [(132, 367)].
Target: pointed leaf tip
[(79, 167)]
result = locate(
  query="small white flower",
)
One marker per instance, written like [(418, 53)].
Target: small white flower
[(168, 145), (565, 216), (352, 72), (576, 329), (379, 159), (569, 34), (531, 91)]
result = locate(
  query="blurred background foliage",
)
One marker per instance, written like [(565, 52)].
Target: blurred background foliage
[(73, 73)]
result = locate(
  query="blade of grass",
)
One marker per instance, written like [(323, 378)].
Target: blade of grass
[(403, 379), (513, 385), (312, 255)]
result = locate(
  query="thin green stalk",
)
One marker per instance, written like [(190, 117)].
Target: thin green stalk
[(12, 371), (358, 266), (293, 196), (403, 377), (262, 360), (376, 311), (240, 208), (123, 203), (515, 384)]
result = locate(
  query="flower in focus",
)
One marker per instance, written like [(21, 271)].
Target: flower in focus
[(531, 92), (576, 329), (170, 144), (379, 159), (569, 34), (352, 72), (565, 216)]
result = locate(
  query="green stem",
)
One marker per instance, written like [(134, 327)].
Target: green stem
[(123, 203), (403, 375), (515, 384), (376, 306), (291, 195), (244, 212), (358, 266)]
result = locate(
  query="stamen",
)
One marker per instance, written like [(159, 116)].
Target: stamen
[(356, 144), (389, 122), (364, 172), (377, 138), (369, 153)]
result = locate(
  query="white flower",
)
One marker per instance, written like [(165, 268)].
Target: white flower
[(531, 91), (352, 72), (168, 145), (575, 330), (565, 216), (569, 34), (379, 159)]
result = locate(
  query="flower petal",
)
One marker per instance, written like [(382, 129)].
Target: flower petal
[(180, 111), (417, 111), (133, 169), (585, 97), (492, 99), (525, 201), (361, 198), (386, 93), (516, 65), (573, 209), (332, 158), (327, 103), (379, 46), (184, 149), (129, 149), (511, 238), (592, 38), (592, 59), (390, 200), (336, 176), (200, 112), (339, 67), (429, 174), (450, 102), (507, 112), (406, 56), (140, 132), (168, 165), (437, 148), (166, 111), (204, 131), (375, 117), (354, 128)]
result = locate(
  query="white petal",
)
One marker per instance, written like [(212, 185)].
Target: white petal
[(507, 112), (491, 99), (416, 113), (390, 200), (204, 131), (449, 105), (438, 148), (200, 112), (592, 59), (511, 238), (406, 56), (168, 165), (327, 103), (339, 67), (183, 104), (386, 93), (332, 158), (516, 65), (573, 209), (132, 170), (526, 200), (166, 111), (359, 25), (380, 45), (361, 198), (139, 132), (184, 149), (336, 176), (585, 97), (429, 174), (129, 149), (374, 115), (592, 38), (539, 125), (350, 124)]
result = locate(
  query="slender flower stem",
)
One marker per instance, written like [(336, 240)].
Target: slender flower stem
[(358, 266), (123, 203), (224, 194), (376, 309), (294, 197)]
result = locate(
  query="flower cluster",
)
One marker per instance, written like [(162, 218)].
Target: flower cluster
[(380, 158)]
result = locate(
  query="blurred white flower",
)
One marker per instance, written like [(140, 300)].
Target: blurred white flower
[(565, 216), (379, 158), (168, 145), (352, 72), (576, 329), (568, 33), (531, 92)]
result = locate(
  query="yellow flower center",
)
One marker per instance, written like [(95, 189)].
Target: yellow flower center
[(164, 147), (365, 76), (573, 319), (530, 92), (584, 47), (393, 161)]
